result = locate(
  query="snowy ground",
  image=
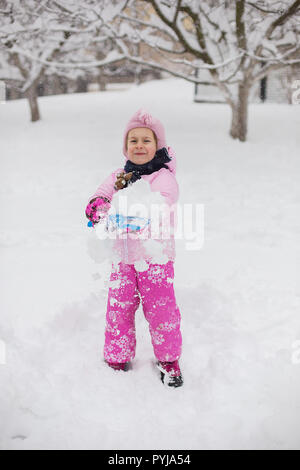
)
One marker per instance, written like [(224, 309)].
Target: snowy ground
[(239, 295)]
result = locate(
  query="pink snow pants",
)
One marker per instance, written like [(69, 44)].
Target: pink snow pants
[(155, 288)]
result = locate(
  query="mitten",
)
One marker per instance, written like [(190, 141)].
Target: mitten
[(122, 180), (97, 208)]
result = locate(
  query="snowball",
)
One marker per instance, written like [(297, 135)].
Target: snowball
[(136, 200), (148, 212)]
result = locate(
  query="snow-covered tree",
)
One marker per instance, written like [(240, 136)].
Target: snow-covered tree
[(233, 43), (236, 43), (43, 37), (24, 32)]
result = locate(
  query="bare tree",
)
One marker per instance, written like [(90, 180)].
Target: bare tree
[(237, 43)]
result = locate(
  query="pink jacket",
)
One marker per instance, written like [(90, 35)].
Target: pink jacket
[(132, 250)]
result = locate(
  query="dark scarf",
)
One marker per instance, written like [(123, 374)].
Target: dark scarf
[(158, 161)]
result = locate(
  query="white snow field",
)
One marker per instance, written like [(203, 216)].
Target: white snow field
[(239, 294)]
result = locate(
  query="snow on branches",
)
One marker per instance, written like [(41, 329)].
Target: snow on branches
[(232, 44), (64, 36)]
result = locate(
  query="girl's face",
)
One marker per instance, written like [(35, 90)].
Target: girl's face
[(141, 145)]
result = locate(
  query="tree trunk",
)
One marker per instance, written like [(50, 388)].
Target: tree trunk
[(31, 95), (102, 82), (239, 121)]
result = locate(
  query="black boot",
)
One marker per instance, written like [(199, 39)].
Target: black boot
[(170, 373)]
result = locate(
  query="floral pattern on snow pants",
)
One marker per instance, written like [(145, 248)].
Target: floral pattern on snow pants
[(155, 288)]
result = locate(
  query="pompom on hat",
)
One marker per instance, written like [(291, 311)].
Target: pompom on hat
[(144, 119)]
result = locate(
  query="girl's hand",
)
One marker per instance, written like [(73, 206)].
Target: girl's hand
[(122, 180), (97, 207)]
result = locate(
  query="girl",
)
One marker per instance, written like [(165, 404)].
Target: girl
[(148, 162)]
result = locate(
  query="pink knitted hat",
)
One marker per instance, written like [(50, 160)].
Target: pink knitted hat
[(143, 119)]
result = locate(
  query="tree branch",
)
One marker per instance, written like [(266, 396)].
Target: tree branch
[(269, 68), (284, 17), (260, 8), (177, 12), (153, 26), (74, 65), (176, 30), (199, 33), (240, 25)]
